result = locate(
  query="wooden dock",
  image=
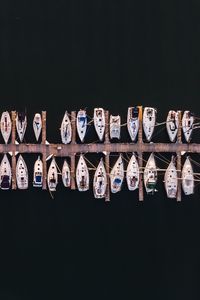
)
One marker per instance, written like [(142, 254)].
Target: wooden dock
[(70, 150)]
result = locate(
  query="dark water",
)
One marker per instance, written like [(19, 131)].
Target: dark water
[(70, 54)]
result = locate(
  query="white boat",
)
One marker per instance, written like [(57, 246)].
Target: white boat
[(150, 175), (66, 129), (132, 174), (66, 175), (115, 127), (81, 124), (99, 122), (117, 175), (187, 125), (133, 122), (172, 125), (38, 173), (21, 124), (6, 126), (100, 181), (52, 177), (171, 179), (5, 173), (187, 177), (82, 175), (37, 125), (21, 174), (149, 121)]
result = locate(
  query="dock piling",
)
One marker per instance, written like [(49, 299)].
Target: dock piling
[(107, 156), (44, 155), (73, 155), (13, 138), (140, 156), (179, 140)]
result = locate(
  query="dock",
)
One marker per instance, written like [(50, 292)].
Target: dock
[(70, 150)]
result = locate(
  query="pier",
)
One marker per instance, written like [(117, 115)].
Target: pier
[(70, 150)]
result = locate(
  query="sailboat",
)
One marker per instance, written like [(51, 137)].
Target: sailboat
[(115, 127), (66, 175), (38, 173), (21, 124), (81, 124), (100, 181), (99, 122), (172, 125), (5, 173), (52, 177), (187, 125), (37, 125), (21, 174), (82, 175), (187, 177), (171, 179), (6, 126), (133, 122), (132, 174), (150, 175), (149, 120), (117, 175), (66, 129)]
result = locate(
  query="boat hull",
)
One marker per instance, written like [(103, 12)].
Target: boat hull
[(82, 175), (21, 174), (100, 181), (99, 122), (149, 121), (172, 125), (38, 173), (5, 173), (133, 122), (81, 124), (6, 126), (66, 129), (187, 125), (132, 174), (37, 125), (117, 176), (150, 175), (171, 180), (52, 177), (187, 178)]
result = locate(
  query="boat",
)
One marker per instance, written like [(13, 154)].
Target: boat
[(37, 125), (149, 121), (150, 175), (99, 122), (132, 174), (5, 173), (187, 125), (66, 175), (187, 177), (100, 181), (115, 127), (38, 173), (133, 122), (21, 124), (6, 126), (81, 124), (117, 175), (82, 175), (66, 129), (171, 179), (172, 125), (21, 174), (52, 176)]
